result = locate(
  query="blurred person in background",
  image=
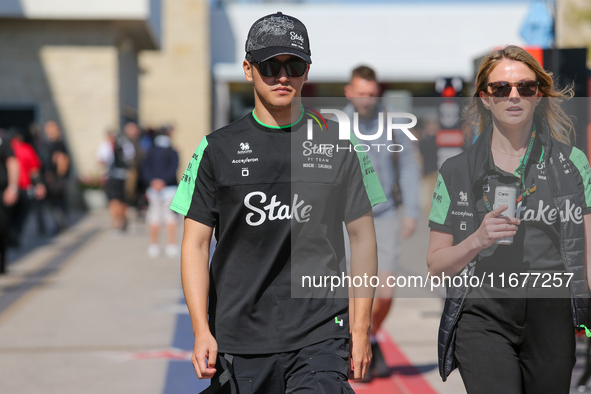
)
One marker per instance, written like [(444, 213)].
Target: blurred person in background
[(132, 183), (400, 178), (57, 169), (159, 172), (30, 185), (507, 338), (147, 138), (428, 148), (116, 154), (9, 175), (40, 146)]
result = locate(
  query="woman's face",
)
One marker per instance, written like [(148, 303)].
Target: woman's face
[(515, 110)]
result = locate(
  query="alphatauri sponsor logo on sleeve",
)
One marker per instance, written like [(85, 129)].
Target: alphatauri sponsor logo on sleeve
[(274, 209)]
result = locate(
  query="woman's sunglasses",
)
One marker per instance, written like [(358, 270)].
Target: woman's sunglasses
[(524, 88), (272, 68)]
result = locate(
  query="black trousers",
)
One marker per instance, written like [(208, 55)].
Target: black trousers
[(516, 345), (18, 216), (317, 369)]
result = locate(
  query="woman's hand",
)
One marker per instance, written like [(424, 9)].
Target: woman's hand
[(495, 227), (443, 257)]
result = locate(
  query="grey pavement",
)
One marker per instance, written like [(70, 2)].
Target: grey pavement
[(75, 311)]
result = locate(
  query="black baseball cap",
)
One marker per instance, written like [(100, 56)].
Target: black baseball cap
[(278, 34)]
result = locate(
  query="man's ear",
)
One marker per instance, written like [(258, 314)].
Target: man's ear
[(247, 67), (306, 73), (347, 90)]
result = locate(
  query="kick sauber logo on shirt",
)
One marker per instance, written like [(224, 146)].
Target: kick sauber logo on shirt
[(274, 209)]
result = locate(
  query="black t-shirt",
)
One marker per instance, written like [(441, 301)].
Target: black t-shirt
[(277, 202), (5, 153), (53, 147)]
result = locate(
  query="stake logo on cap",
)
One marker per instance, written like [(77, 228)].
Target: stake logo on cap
[(278, 34)]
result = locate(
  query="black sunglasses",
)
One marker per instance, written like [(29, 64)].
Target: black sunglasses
[(272, 68), (524, 88)]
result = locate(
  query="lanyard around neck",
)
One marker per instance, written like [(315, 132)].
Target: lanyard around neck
[(520, 171)]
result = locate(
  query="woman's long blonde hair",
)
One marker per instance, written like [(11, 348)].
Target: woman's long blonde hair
[(561, 126)]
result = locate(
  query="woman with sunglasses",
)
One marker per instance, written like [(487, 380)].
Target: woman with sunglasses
[(511, 331)]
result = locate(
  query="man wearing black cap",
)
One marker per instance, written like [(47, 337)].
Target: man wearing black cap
[(272, 209)]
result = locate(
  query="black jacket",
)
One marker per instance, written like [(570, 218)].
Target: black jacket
[(460, 185)]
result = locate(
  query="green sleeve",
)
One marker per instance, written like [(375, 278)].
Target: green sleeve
[(370, 179), (580, 161), (184, 195), (440, 203)]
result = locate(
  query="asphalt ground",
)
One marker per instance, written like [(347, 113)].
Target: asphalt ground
[(89, 312)]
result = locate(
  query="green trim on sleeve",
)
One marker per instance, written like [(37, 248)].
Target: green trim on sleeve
[(184, 194), (580, 161), (370, 178), (440, 203)]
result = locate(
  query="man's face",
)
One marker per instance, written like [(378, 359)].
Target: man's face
[(278, 91), (132, 131), (52, 131), (363, 95)]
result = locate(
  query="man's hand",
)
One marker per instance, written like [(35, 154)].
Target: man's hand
[(40, 191), (204, 355), (360, 354), (10, 195), (409, 225)]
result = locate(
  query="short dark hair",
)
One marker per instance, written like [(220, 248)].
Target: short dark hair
[(363, 72), (249, 57)]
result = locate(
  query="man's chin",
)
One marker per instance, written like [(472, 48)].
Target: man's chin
[(281, 102)]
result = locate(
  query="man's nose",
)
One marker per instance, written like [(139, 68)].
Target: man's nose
[(282, 76)]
